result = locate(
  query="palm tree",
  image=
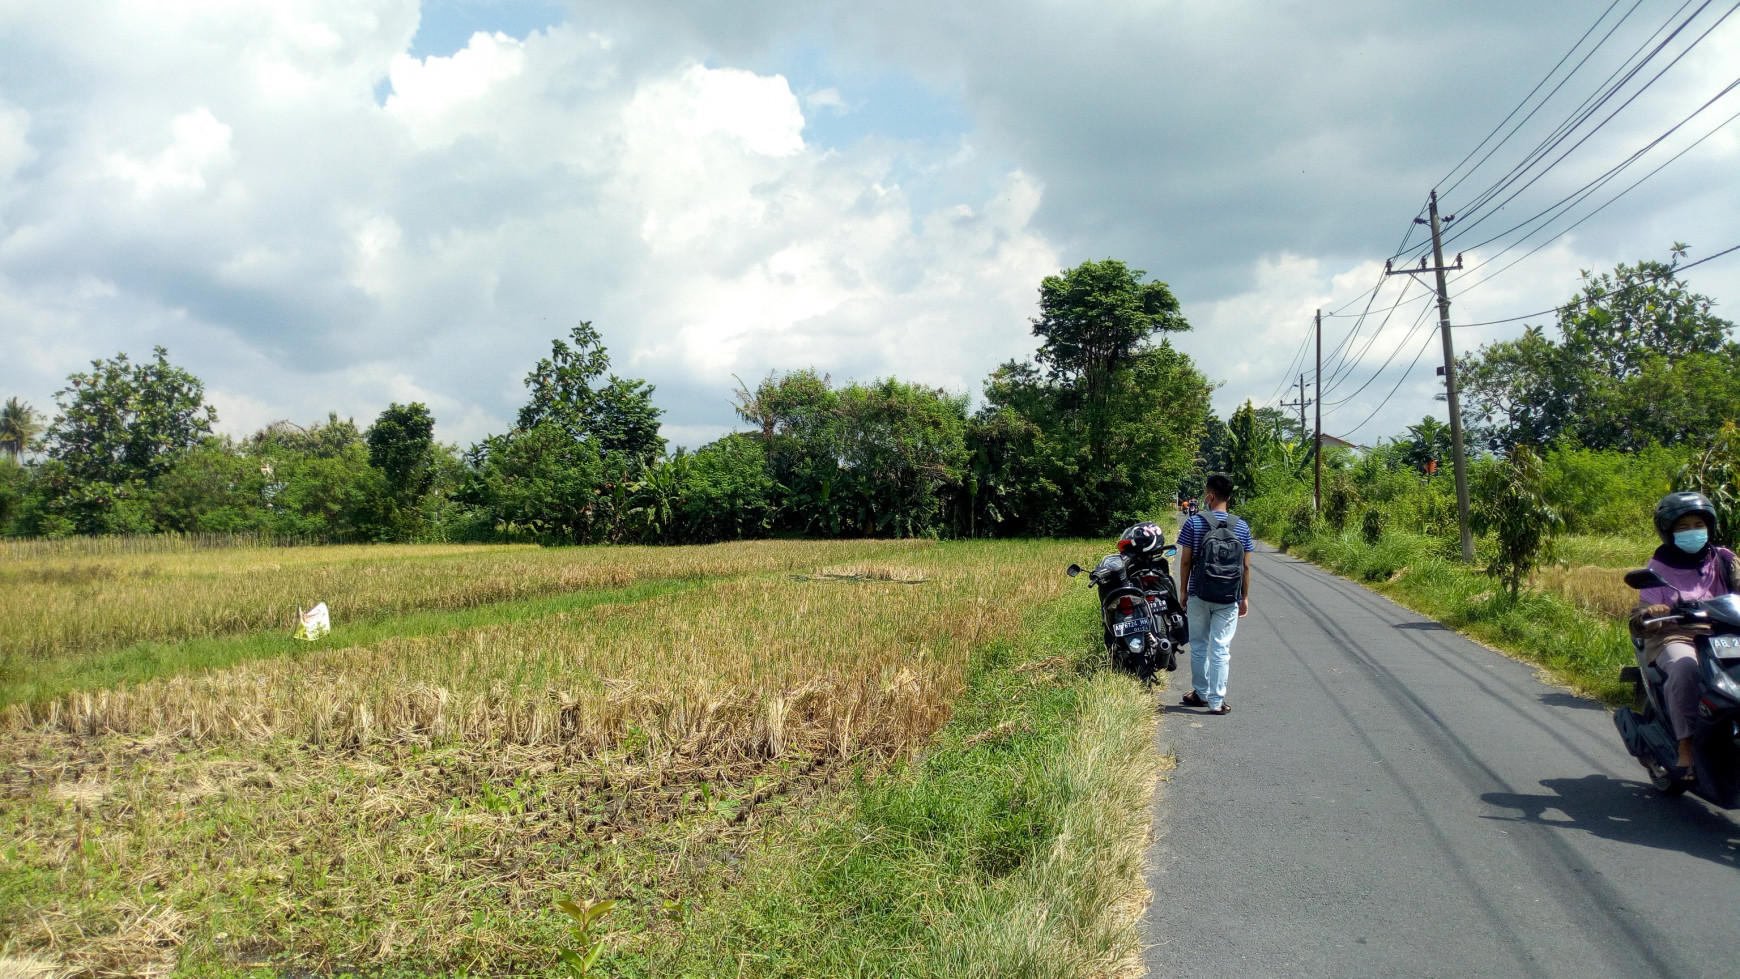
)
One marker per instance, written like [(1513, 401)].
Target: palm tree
[(19, 426)]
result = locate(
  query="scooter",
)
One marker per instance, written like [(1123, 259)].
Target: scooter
[(1143, 626), (1716, 735)]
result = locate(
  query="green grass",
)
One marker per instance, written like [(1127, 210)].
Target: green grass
[(1012, 847), (37, 681), (1578, 648)]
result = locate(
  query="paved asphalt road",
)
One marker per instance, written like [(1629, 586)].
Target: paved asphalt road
[(1389, 799)]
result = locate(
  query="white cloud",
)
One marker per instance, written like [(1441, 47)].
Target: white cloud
[(304, 247)]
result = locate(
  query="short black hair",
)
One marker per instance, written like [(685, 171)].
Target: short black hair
[(1221, 485)]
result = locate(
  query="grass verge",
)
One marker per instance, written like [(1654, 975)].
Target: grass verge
[(1578, 646), (1013, 846), (36, 681)]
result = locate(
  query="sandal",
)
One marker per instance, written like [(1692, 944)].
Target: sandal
[(1224, 708), (1192, 700)]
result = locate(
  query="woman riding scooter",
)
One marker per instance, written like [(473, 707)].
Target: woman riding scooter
[(1694, 569)]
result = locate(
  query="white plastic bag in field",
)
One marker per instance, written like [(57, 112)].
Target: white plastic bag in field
[(316, 622)]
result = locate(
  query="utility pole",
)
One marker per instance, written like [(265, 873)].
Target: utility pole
[(1317, 442), (1300, 404), (1458, 456)]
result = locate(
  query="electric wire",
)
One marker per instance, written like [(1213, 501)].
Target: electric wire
[(1412, 330), (1572, 226), (1592, 103), (1549, 96), (1464, 228), (1575, 197), (1567, 307), (1398, 386)]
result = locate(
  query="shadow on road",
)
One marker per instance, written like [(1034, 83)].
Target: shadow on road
[(1561, 699), (1422, 626), (1627, 812)]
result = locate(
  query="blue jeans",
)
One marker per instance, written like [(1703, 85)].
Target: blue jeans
[(1211, 633)]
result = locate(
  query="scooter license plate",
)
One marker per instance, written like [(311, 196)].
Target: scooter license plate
[(1129, 627), (1725, 647)]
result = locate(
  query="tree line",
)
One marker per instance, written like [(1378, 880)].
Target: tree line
[(1099, 429)]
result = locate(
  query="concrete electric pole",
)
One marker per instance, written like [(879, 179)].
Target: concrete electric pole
[(1317, 442), (1458, 456)]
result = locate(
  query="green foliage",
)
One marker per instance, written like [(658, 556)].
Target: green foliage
[(126, 422), (1099, 432), (1051, 466), (1427, 443), (579, 960), (1248, 441), (1639, 360), (1512, 507), (617, 417), (19, 427), (402, 446), (1371, 526), (1715, 472), (14, 488), (539, 481), (727, 493), (1094, 318), (1341, 498)]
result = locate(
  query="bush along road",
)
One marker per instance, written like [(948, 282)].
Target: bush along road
[(1389, 798)]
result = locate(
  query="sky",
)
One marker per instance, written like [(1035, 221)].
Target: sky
[(331, 205)]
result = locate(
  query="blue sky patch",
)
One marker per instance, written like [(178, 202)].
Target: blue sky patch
[(446, 26)]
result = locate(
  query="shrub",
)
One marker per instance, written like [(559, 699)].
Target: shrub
[(1371, 525)]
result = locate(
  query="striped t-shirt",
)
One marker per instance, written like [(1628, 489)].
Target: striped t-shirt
[(1196, 528), (1190, 535)]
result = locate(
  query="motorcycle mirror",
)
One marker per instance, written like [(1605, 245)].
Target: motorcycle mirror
[(1644, 578), (1072, 570)]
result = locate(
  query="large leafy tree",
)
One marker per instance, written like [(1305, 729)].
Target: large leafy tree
[(1638, 359), (883, 458), (1101, 429), (402, 446), (616, 415), (125, 422)]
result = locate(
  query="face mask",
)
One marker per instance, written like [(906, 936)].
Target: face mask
[(1691, 541)]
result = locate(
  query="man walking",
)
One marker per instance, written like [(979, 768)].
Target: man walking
[(1214, 568)]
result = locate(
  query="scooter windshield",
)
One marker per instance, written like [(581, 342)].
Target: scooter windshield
[(1724, 609)]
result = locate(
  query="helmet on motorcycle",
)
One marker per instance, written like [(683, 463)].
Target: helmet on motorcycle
[(1144, 539), (1676, 505)]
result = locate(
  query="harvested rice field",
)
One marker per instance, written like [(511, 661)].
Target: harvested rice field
[(417, 801)]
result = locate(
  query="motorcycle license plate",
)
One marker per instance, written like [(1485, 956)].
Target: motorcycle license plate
[(1725, 647), (1129, 627)]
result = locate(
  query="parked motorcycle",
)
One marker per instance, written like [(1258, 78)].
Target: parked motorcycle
[(1716, 737), (1142, 618)]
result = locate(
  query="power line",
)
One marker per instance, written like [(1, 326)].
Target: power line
[(1525, 100), (1464, 228), (1671, 273), (1575, 224), (1604, 91), (1393, 390), (1577, 196)]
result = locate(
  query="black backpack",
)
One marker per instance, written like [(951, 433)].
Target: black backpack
[(1219, 575)]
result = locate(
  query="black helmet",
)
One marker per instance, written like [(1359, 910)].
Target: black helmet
[(1676, 505), (1144, 539)]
